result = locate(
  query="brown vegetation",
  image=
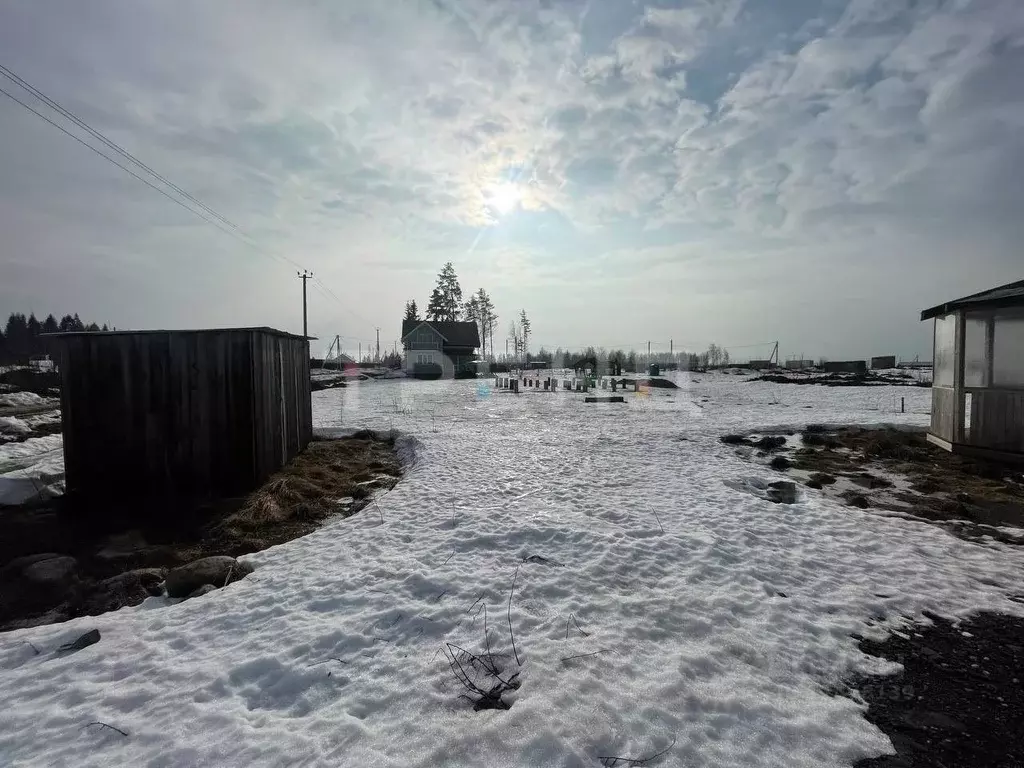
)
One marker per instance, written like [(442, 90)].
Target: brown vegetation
[(110, 559), (899, 471)]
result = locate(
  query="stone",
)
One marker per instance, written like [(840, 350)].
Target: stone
[(130, 588), (203, 590), (56, 573), (121, 547), (37, 583), (83, 641), (218, 570), (782, 492)]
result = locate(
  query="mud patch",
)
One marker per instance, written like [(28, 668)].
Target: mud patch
[(958, 699), (898, 472)]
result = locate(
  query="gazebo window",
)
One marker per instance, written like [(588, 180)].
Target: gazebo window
[(1008, 351), (945, 348), (976, 358)]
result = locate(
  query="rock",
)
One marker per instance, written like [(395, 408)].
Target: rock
[(782, 492), (203, 590), (218, 570), (56, 573), (18, 564), (84, 641), (129, 588), (770, 443), (37, 583), (122, 546), (780, 463)]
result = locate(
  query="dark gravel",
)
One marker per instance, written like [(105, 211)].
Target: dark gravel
[(959, 700)]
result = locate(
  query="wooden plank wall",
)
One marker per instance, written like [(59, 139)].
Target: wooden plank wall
[(997, 419), (943, 413), (181, 414), (283, 415)]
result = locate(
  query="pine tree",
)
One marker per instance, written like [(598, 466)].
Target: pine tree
[(447, 296), (472, 313), (524, 326), (435, 307), (488, 318), (411, 310), (50, 325)]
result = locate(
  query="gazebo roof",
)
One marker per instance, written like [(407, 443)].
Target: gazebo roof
[(1009, 295)]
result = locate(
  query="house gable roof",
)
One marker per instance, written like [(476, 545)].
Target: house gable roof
[(1009, 295), (456, 334)]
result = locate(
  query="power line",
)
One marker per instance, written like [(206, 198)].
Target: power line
[(219, 220), (145, 181), (235, 232), (15, 78)]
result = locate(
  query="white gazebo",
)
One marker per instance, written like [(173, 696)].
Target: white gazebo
[(978, 381)]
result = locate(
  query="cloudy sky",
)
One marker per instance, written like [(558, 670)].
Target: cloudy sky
[(736, 171)]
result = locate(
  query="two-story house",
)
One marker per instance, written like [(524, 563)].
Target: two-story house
[(439, 349)]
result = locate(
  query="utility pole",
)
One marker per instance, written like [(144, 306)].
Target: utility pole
[(360, 353), (671, 347), (377, 354), (304, 276), (648, 352)]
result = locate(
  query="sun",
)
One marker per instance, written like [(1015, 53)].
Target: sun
[(504, 197)]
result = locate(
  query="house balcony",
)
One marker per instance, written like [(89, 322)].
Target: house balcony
[(410, 345)]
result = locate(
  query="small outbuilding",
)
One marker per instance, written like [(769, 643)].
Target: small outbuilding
[(845, 366), (181, 414), (978, 380)]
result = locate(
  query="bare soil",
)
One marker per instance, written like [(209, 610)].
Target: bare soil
[(958, 700), (866, 379), (329, 478), (897, 471)]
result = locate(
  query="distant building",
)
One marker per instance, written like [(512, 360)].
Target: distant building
[(180, 414), (978, 380), (437, 349), (760, 365), (845, 366), (798, 365), (885, 362)]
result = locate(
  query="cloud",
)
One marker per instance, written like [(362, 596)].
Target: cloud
[(361, 139)]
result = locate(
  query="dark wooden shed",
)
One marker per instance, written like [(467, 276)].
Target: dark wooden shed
[(183, 414)]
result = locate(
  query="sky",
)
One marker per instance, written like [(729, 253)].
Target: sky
[(733, 171)]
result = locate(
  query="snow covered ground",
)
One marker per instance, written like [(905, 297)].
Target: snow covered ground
[(720, 617), (31, 469)]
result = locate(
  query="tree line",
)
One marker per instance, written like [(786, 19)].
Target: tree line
[(447, 303), (22, 337)]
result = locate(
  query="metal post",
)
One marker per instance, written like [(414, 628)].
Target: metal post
[(304, 276)]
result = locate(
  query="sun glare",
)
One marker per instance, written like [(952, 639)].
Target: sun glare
[(504, 197)]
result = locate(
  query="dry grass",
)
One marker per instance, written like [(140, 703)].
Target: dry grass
[(331, 477)]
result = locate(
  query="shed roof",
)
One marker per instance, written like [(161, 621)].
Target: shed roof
[(460, 333), (256, 329), (1009, 295)]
